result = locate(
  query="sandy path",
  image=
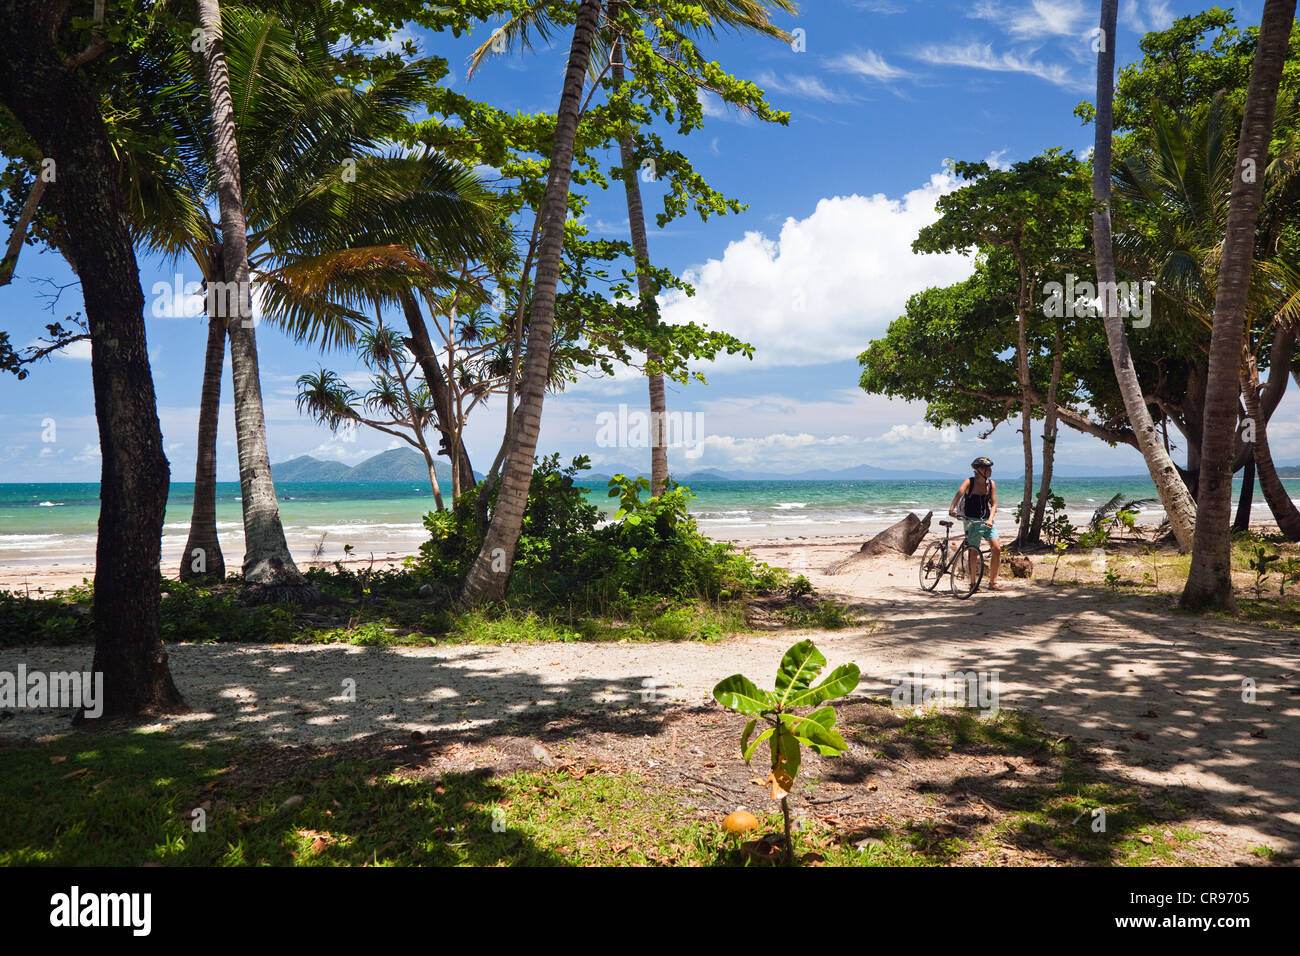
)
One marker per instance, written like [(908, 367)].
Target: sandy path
[(1157, 692)]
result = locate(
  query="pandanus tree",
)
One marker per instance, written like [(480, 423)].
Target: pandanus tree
[(328, 221), (1209, 582)]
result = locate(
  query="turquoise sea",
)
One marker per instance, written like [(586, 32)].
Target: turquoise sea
[(56, 523)]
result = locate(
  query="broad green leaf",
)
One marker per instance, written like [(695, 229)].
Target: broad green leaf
[(748, 753), (817, 729), (739, 693), (841, 681), (785, 759), (744, 736), (799, 668)]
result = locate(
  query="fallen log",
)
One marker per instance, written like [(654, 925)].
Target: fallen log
[(901, 538)]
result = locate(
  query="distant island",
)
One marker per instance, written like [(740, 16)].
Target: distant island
[(396, 464), (864, 473)]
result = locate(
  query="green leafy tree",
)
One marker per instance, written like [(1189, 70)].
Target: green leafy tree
[(1030, 211)]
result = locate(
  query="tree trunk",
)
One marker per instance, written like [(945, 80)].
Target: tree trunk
[(1284, 343), (62, 116), (433, 478), (1049, 440), (421, 347), (202, 558), (1194, 422), (269, 570), (1026, 402), (488, 576), (1209, 583), (1173, 493), (16, 238), (645, 288), (1279, 501), (1247, 498)]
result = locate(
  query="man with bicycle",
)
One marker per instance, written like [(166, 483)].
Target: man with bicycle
[(978, 496)]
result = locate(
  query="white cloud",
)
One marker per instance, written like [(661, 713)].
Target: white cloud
[(869, 64), (1146, 16), (1049, 18), (994, 159), (715, 107), (826, 285), (808, 87), (980, 56)]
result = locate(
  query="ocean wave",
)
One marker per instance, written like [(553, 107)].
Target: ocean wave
[(50, 504), (787, 505), (14, 539)]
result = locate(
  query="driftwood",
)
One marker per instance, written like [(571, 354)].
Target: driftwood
[(901, 538)]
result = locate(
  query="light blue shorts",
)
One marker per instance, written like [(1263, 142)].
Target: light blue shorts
[(975, 530)]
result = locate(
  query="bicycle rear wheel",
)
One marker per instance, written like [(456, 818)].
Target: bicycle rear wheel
[(962, 581), (932, 568)]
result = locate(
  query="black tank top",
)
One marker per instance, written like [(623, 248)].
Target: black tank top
[(978, 506)]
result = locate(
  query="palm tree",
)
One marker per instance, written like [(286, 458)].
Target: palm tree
[(740, 15), (1176, 194), (488, 575), (324, 214), (1209, 583), (1177, 502), (268, 565)]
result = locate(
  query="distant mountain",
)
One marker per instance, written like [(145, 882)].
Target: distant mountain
[(396, 464), (306, 468)]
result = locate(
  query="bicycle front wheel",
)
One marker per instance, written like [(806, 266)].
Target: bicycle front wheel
[(932, 567), (963, 580)]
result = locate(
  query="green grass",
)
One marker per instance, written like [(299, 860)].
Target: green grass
[(197, 614)]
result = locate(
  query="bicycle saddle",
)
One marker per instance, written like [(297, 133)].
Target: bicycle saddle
[(945, 524)]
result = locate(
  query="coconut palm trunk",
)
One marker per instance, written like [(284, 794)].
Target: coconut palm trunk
[(1246, 500), (641, 249), (1023, 536), (61, 113), (269, 569), (202, 558), (489, 575), (1049, 439), (1178, 503), (1209, 583)]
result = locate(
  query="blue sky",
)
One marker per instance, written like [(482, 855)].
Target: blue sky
[(881, 94)]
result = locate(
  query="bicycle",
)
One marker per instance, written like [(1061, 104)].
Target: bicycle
[(939, 559)]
